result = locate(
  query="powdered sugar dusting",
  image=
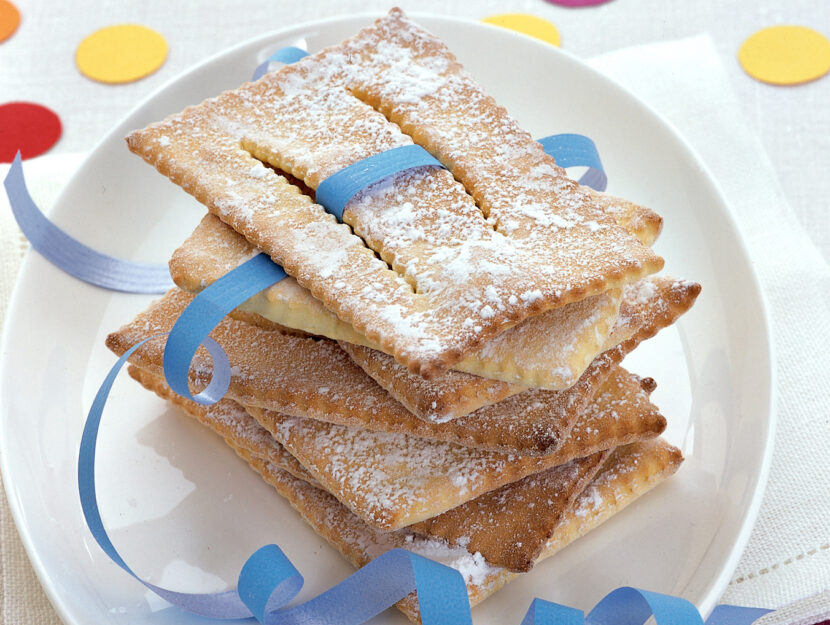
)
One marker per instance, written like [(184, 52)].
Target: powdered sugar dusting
[(461, 272), (392, 480)]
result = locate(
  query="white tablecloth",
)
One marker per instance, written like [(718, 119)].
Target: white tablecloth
[(747, 131)]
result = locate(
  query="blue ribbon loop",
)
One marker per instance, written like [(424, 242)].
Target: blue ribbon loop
[(726, 614), (336, 190), (72, 256), (218, 605), (541, 611), (268, 580), (287, 55), (573, 150), (202, 315)]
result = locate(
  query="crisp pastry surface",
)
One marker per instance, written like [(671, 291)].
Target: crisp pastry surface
[(394, 480), (646, 308), (505, 526), (446, 397), (315, 378), (511, 525), (630, 472), (451, 274), (303, 377), (563, 340)]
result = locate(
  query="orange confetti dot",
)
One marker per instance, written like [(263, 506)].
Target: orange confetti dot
[(122, 53), (785, 55), (9, 19), (528, 25)]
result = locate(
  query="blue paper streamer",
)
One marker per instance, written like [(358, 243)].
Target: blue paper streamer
[(202, 315), (219, 605), (72, 256), (573, 150), (335, 191), (286, 55), (726, 614), (268, 580)]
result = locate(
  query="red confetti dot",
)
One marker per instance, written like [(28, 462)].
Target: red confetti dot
[(28, 127)]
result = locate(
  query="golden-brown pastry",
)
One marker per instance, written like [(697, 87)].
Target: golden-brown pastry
[(646, 308), (458, 264), (315, 378), (630, 472), (562, 341), (510, 526), (505, 526)]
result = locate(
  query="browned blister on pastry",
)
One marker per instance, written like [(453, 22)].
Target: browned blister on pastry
[(451, 274)]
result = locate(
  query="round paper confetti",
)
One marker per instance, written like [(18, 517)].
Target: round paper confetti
[(785, 55), (28, 127), (578, 3), (528, 25), (9, 19), (121, 53)]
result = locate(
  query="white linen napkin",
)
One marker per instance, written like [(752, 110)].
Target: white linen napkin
[(788, 556)]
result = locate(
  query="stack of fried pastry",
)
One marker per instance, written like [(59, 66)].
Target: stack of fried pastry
[(441, 371)]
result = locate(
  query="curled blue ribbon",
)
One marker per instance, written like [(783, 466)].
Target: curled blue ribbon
[(573, 150), (287, 55), (268, 580), (335, 191), (72, 256), (202, 315)]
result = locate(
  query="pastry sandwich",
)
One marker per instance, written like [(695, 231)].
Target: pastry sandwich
[(441, 371)]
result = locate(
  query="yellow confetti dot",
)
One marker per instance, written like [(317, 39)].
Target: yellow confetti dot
[(121, 53), (785, 55), (528, 25)]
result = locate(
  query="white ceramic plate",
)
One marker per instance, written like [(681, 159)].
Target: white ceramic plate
[(185, 512)]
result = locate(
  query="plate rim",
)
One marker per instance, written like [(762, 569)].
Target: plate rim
[(747, 524)]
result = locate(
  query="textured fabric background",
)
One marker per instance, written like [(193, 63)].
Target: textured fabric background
[(37, 63), (759, 134), (788, 556)]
